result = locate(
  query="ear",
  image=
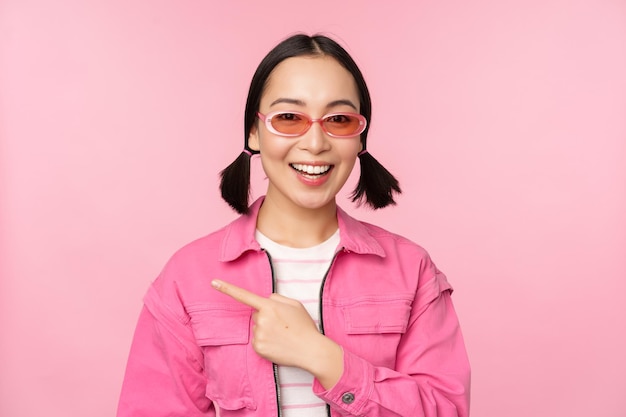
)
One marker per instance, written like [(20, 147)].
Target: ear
[(253, 138)]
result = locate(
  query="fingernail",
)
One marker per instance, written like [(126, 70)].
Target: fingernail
[(216, 284)]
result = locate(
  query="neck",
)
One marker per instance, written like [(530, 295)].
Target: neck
[(297, 227)]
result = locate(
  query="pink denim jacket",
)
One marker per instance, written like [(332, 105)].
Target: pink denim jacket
[(383, 300)]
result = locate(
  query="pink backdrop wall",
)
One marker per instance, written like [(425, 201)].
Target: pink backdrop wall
[(504, 121)]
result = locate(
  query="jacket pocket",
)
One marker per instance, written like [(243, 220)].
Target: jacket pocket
[(374, 325), (223, 332), (376, 315)]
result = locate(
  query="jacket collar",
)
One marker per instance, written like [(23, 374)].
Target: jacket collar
[(239, 235)]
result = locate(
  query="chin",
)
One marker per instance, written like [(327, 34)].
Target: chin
[(314, 203)]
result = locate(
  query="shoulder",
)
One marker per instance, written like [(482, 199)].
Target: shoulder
[(224, 244), (185, 278), (396, 250), (189, 262), (388, 237), (362, 234), (200, 247), (411, 257)]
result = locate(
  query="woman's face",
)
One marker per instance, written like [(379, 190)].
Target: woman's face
[(315, 86)]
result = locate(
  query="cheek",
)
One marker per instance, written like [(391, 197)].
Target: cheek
[(352, 150), (273, 149), (273, 153), (353, 163), (348, 163)]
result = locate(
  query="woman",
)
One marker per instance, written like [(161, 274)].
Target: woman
[(295, 308)]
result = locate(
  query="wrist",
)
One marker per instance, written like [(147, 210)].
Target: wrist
[(325, 361)]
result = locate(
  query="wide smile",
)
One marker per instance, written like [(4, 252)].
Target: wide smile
[(312, 171)]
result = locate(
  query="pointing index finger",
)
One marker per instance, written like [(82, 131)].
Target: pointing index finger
[(239, 294)]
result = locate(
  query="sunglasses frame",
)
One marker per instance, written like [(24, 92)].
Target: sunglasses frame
[(267, 119)]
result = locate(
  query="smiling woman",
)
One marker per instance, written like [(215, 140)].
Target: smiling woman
[(296, 306), (376, 185), (306, 171)]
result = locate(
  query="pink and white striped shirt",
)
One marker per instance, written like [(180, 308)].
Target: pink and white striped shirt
[(298, 274)]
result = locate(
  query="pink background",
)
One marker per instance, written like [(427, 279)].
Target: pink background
[(505, 122)]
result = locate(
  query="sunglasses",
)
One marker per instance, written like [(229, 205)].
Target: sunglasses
[(292, 123)]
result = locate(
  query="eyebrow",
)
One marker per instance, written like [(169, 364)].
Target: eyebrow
[(302, 103)]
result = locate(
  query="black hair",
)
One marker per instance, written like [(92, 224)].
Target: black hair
[(376, 185)]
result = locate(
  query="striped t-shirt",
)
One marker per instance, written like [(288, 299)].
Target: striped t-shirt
[(298, 274)]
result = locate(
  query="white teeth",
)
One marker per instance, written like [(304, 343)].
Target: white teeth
[(311, 169)]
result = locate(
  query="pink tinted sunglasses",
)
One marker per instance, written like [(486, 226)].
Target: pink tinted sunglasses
[(293, 124)]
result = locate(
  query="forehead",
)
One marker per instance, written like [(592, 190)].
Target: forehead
[(314, 80)]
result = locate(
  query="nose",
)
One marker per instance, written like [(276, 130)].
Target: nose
[(315, 140)]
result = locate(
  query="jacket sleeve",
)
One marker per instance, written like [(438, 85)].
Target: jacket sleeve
[(164, 374), (432, 373)]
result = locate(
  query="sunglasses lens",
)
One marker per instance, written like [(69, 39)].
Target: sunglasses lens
[(343, 125), (290, 123)]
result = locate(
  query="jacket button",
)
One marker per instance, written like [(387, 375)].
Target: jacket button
[(347, 398)]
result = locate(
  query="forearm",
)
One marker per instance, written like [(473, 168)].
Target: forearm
[(365, 389), (324, 359), (431, 376)]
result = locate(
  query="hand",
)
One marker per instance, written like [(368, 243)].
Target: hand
[(282, 327), (284, 333)]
